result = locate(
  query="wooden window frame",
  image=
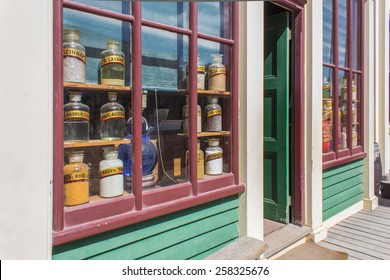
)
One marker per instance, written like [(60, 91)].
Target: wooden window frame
[(83, 221), (336, 157)]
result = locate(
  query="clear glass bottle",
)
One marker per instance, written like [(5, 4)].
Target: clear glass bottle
[(76, 119), (213, 158), (111, 174), (112, 119), (112, 65), (217, 73), (200, 161), (76, 180), (73, 57), (213, 115), (186, 114), (201, 74)]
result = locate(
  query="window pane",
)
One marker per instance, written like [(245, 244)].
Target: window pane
[(213, 18), (342, 32), (115, 6), (343, 110), (356, 35), (170, 13), (356, 99), (328, 31), (327, 110)]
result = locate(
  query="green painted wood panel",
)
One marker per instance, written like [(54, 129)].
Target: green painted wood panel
[(150, 237), (342, 188)]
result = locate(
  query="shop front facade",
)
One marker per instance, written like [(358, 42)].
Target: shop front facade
[(286, 135)]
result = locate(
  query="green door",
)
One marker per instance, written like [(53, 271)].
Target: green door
[(276, 118)]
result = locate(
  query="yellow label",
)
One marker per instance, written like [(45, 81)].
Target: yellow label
[(118, 170), (214, 113), (214, 156), (112, 115), (217, 71), (75, 177), (113, 59), (76, 114), (70, 52), (201, 68), (176, 167)]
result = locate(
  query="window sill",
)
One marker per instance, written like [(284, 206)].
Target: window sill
[(343, 160)]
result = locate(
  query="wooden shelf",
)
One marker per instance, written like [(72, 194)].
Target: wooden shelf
[(208, 134), (95, 143), (207, 92), (95, 87)]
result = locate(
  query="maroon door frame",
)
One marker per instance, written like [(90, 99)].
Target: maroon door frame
[(298, 79)]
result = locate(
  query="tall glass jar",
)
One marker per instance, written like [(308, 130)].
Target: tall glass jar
[(76, 180), (213, 115), (200, 161), (76, 119), (186, 115), (217, 73), (111, 174), (73, 57), (112, 119), (213, 158), (112, 65), (201, 74)]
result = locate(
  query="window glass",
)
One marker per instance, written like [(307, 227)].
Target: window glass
[(356, 36), (342, 32), (327, 110), (356, 113), (343, 110), (213, 18), (327, 31), (170, 13), (115, 6)]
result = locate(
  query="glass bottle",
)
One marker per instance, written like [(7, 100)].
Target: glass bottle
[(76, 119), (213, 115), (111, 174), (73, 57), (76, 180), (200, 161), (112, 119), (217, 73), (201, 74), (186, 114), (214, 157), (112, 65)]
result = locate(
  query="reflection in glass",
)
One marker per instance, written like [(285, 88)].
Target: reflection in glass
[(213, 18), (327, 31), (356, 35), (170, 13), (343, 110), (327, 110), (343, 38), (356, 99)]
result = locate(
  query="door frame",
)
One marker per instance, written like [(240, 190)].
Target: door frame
[(297, 9)]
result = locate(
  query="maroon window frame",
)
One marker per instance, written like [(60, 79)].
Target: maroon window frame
[(337, 157), (79, 222)]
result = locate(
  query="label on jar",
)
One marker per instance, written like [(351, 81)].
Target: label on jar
[(71, 52), (75, 177), (201, 68), (76, 114), (113, 59), (186, 114), (213, 156), (112, 115), (117, 170), (217, 71), (214, 112)]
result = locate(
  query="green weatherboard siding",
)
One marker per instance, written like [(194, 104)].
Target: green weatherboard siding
[(342, 188), (193, 233)]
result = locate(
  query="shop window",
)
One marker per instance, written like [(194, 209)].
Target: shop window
[(342, 92), (146, 111)]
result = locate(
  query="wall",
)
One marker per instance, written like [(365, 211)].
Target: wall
[(26, 129), (342, 188), (193, 233)]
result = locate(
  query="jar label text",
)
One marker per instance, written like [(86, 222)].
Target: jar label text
[(74, 53), (75, 177), (76, 114), (112, 115), (118, 170), (217, 71), (214, 156), (113, 59), (214, 112)]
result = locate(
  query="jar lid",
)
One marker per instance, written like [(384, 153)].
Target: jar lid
[(213, 142), (112, 44), (107, 151), (112, 96), (75, 156), (71, 35), (75, 96)]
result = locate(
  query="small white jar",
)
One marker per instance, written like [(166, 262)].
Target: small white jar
[(214, 158), (111, 174)]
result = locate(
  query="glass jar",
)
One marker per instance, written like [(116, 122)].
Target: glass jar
[(73, 57), (112, 65), (76, 119), (217, 73), (214, 158), (112, 119), (111, 174), (213, 115), (76, 180), (186, 114), (200, 161), (201, 74)]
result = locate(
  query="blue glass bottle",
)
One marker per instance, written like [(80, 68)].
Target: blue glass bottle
[(149, 151)]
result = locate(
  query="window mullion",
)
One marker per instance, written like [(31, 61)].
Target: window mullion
[(350, 75), (335, 46)]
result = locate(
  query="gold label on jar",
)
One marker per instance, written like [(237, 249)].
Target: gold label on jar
[(214, 156), (112, 115), (217, 71), (118, 170), (70, 52), (214, 113), (76, 114), (201, 68), (75, 177), (113, 59)]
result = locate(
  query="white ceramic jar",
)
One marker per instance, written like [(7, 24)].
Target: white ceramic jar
[(111, 174)]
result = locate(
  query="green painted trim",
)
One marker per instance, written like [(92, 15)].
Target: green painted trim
[(207, 253), (340, 207), (115, 241), (341, 169), (342, 186), (342, 196), (330, 181)]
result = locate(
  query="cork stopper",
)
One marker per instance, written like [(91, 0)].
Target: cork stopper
[(213, 142), (112, 45), (110, 153), (71, 35), (112, 96), (75, 156), (75, 96)]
